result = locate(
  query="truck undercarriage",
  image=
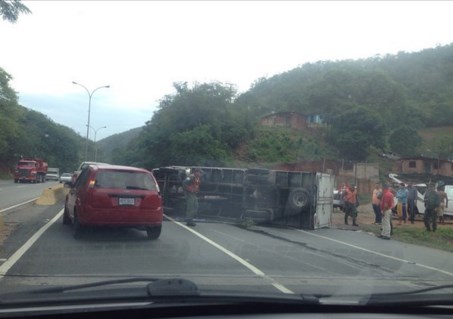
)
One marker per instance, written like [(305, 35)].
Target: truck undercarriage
[(297, 199)]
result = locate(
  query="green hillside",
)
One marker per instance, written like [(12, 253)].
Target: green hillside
[(369, 106), (401, 103)]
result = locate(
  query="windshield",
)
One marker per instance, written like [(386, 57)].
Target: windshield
[(127, 180), (281, 147), (22, 163)]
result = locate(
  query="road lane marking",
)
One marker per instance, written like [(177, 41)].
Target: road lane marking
[(243, 262), (378, 253), (23, 249), (17, 205)]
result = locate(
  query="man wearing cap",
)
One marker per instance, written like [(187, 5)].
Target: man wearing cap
[(191, 186), (386, 209)]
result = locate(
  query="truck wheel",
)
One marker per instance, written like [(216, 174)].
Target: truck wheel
[(298, 198)]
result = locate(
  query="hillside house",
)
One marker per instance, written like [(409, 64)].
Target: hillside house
[(293, 120), (425, 165)]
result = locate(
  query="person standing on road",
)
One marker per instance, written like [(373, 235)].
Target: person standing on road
[(386, 209), (376, 204), (443, 203), (432, 202), (411, 201), (191, 186), (401, 207), (350, 205)]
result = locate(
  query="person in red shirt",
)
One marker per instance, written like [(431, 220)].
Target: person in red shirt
[(350, 205), (386, 209), (191, 186)]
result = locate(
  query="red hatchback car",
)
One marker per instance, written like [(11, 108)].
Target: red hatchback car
[(111, 195)]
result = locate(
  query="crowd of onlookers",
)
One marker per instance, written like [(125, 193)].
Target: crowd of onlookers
[(383, 200)]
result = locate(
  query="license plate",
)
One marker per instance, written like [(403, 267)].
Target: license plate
[(126, 201)]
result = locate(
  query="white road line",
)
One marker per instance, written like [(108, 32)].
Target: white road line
[(22, 250), (378, 253), (243, 262), (17, 205)]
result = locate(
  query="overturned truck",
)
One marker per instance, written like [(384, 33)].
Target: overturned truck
[(291, 198)]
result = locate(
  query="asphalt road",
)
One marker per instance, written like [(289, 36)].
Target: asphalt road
[(12, 194), (219, 256)]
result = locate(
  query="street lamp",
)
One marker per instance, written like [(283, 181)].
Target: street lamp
[(95, 146), (90, 94)]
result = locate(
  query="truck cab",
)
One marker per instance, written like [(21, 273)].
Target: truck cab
[(30, 170)]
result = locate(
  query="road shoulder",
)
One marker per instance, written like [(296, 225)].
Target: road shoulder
[(21, 223)]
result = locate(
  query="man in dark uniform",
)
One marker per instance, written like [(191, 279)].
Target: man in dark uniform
[(191, 186), (411, 201), (432, 202)]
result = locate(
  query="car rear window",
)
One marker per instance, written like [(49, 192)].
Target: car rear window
[(124, 180)]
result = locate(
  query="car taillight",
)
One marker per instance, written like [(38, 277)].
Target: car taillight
[(91, 183)]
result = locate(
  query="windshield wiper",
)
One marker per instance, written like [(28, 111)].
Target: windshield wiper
[(156, 287), (155, 290), (414, 297)]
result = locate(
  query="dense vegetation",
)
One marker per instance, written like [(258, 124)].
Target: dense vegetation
[(27, 133), (368, 106)]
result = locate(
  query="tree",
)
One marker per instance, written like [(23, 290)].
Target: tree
[(195, 126), (349, 85), (10, 10), (30, 133), (9, 116), (354, 131), (444, 147), (404, 141)]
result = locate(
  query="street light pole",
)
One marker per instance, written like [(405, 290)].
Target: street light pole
[(95, 146), (90, 94)]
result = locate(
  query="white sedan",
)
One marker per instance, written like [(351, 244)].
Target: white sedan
[(65, 177)]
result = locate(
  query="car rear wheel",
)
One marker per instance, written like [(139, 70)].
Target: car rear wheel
[(76, 227), (66, 218), (154, 232)]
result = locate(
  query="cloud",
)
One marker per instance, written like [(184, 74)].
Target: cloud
[(140, 48)]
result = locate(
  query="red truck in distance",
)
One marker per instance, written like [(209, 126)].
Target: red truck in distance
[(32, 170)]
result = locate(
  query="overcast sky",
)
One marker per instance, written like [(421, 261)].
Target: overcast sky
[(140, 48)]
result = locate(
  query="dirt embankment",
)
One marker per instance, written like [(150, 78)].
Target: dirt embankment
[(49, 196)]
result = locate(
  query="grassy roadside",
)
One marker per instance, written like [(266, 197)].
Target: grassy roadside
[(441, 239)]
